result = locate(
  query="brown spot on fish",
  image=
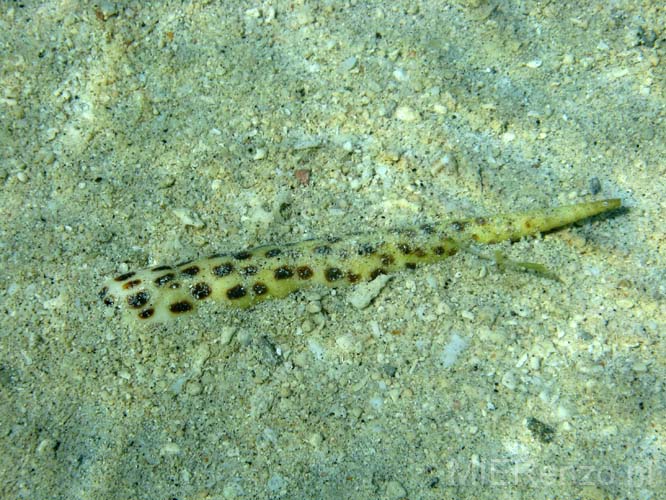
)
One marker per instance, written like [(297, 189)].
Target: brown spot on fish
[(387, 259), (333, 274), (182, 306), (283, 273), (190, 271), (322, 250), (243, 255), (146, 313), (236, 292), (223, 270), (163, 280), (377, 272), (366, 249), (249, 270), (138, 299), (131, 284), (125, 276), (304, 272), (427, 228), (160, 268), (404, 248), (457, 226), (200, 291)]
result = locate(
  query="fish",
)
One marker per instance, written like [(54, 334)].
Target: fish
[(247, 277)]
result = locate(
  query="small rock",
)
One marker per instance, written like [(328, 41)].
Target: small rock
[(406, 114), (105, 10), (194, 388), (316, 439), (400, 75), (348, 64), (447, 164), (254, 13), (170, 449), (395, 490), (313, 307), (595, 185), (509, 380), (46, 447), (453, 349), (304, 16), (363, 294), (543, 432), (302, 175), (260, 154), (188, 217)]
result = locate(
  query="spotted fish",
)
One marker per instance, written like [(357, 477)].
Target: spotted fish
[(245, 278)]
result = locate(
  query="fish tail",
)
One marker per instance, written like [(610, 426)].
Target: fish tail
[(518, 225)]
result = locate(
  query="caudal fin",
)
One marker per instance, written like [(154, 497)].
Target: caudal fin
[(519, 225)]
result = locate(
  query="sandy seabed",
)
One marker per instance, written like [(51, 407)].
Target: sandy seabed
[(138, 133)]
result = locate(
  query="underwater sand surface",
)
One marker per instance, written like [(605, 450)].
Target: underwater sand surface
[(135, 135)]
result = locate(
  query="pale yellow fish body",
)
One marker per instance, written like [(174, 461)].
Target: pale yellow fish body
[(245, 278)]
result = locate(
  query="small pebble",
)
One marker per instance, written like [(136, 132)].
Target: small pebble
[(302, 175), (307, 143), (521, 361), (541, 431), (194, 388), (276, 483), (316, 349), (227, 334), (400, 75), (345, 343), (260, 154), (469, 315), (446, 164), (170, 449), (395, 490), (304, 16), (595, 185), (269, 14), (406, 114), (453, 349), (46, 447), (313, 307), (363, 294), (307, 326), (509, 380), (535, 363), (232, 490), (254, 13), (563, 412), (188, 217), (106, 9), (166, 182), (348, 64), (316, 439)]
